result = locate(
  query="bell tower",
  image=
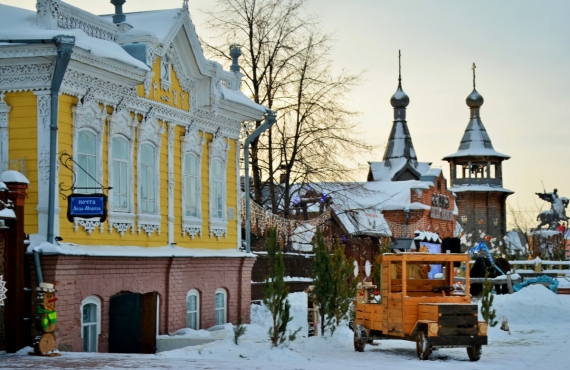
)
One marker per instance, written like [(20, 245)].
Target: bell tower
[(476, 177)]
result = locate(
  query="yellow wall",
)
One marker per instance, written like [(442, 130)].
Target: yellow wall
[(157, 94), (23, 142)]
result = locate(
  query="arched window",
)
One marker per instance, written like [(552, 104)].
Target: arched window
[(90, 323), (221, 309), (88, 161), (193, 309), (190, 186), (121, 169), (148, 179)]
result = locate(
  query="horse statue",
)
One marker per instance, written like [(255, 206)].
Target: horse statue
[(556, 213)]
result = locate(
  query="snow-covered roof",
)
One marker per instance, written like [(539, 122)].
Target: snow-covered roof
[(400, 143), (476, 141), (377, 195), (155, 23), (385, 171), (237, 96), (364, 222), (17, 23), (463, 188)]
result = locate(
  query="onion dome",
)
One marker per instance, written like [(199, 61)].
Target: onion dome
[(400, 99), (474, 100)]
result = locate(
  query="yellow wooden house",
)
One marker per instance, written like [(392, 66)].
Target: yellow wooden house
[(145, 119)]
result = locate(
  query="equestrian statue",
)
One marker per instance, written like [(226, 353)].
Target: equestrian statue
[(556, 213)]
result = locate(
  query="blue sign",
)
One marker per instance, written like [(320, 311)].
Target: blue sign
[(87, 206)]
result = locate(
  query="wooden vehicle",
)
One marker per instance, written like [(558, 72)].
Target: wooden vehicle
[(417, 302)]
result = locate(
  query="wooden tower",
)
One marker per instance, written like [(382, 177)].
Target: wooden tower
[(477, 178)]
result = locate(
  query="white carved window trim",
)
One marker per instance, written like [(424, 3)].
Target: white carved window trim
[(4, 142), (149, 133), (113, 176), (97, 302), (218, 150), (165, 72), (121, 124), (193, 293), (192, 143), (221, 311), (89, 116)]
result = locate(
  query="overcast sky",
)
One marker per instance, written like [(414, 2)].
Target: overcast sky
[(521, 48)]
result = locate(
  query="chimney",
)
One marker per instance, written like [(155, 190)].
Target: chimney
[(235, 53), (119, 17)]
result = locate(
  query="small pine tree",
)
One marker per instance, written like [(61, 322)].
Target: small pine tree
[(323, 280), (487, 310), (275, 293), (239, 330), (344, 290)]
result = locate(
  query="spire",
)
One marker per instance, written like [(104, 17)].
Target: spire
[(475, 141), (400, 141), (400, 100)]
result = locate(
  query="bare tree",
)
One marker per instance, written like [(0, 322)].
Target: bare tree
[(287, 67)]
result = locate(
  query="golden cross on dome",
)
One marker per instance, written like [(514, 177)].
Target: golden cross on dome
[(473, 68)]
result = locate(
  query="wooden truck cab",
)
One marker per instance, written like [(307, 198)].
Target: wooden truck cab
[(419, 300)]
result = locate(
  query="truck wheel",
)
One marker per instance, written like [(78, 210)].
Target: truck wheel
[(423, 346), (474, 353), (359, 338)]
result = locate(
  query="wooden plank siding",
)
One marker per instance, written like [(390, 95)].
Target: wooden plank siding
[(22, 133)]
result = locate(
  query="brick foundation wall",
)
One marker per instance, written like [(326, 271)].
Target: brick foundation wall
[(81, 276)]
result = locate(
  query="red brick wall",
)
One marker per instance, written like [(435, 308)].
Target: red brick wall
[(81, 276), (420, 219)]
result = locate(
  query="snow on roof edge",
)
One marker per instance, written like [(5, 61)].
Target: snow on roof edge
[(39, 243)]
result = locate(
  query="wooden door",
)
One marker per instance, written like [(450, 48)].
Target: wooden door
[(148, 322)]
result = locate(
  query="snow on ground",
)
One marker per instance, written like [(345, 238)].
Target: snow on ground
[(539, 322)]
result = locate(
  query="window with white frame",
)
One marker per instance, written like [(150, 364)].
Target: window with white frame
[(192, 143), (121, 178), (217, 190), (193, 309), (87, 159), (90, 323), (4, 131), (190, 186), (218, 152), (221, 309), (148, 178)]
